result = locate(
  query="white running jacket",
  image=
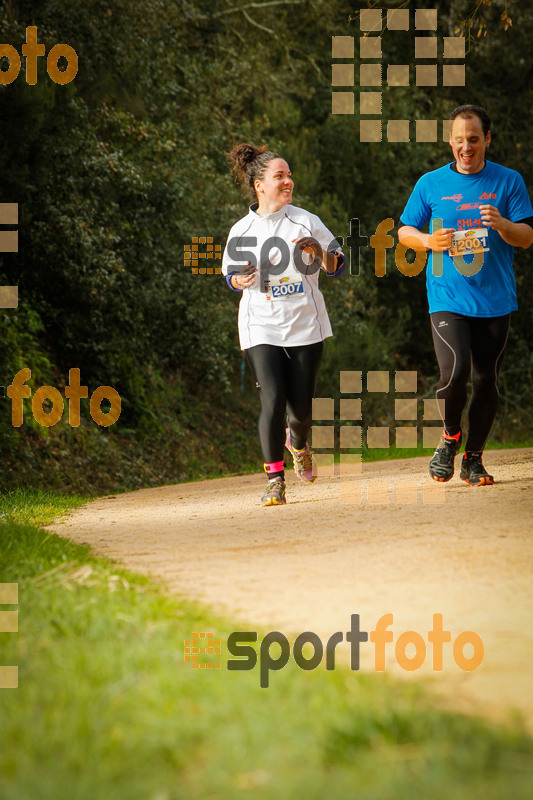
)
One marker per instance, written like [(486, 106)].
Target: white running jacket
[(284, 307)]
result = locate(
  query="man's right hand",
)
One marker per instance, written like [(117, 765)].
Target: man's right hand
[(441, 240)]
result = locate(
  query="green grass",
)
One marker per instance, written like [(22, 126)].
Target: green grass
[(387, 453), (107, 709), (37, 506), (513, 445)]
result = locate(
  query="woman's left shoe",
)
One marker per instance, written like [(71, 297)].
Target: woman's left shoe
[(275, 493), (304, 462)]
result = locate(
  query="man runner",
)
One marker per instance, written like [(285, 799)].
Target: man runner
[(479, 211)]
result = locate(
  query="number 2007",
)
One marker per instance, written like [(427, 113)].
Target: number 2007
[(288, 288)]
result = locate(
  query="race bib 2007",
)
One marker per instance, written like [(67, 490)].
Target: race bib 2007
[(283, 287), (475, 240)]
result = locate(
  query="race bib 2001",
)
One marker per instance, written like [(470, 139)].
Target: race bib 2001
[(475, 240)]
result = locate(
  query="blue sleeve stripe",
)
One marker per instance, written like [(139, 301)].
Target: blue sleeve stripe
[(341, 267)]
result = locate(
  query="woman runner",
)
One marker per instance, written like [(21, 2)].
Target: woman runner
[(273, 256)]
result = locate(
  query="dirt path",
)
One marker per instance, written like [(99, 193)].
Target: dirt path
[(411, 551)]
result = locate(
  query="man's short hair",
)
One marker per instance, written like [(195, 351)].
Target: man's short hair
[(472, 111)]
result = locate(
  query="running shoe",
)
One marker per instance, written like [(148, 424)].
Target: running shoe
[(275, 493), (472, 470), (441, 465), (304, 463)]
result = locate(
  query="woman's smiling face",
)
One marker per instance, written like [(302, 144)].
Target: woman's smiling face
[(275, 188)]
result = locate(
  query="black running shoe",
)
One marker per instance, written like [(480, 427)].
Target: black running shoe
[(472, 470), (441, 465)]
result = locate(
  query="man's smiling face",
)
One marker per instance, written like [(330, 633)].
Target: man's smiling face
[(468, 143)]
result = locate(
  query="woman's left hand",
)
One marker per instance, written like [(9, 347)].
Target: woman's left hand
[(309, 245), (327, 261)]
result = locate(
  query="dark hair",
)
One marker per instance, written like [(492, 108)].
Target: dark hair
[(250, 163), (469, 111)]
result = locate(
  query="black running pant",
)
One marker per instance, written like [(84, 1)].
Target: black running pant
[(469, 346), (286, 379)]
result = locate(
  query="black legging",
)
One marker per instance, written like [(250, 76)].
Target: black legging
[(465, 345), (286, 380)]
